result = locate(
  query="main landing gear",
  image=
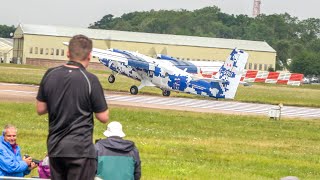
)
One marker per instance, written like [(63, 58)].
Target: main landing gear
[(111, 78), (165, 92), (134, 90)]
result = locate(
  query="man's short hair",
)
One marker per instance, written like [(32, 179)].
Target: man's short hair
[(80, 47), (8, 126)]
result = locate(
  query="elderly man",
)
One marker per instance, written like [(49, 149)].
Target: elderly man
[(117, 158), (11, 163)]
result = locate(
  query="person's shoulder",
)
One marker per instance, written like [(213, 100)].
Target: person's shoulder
[(90, 74), (134, 145), (129, 142), (3, 146), (92, 77), (101, 141), (55, 68), (52, 69)]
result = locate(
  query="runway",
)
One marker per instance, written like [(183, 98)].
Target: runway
[(23, 93)]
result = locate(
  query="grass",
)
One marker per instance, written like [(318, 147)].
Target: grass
[(305, 95), (187, 145)]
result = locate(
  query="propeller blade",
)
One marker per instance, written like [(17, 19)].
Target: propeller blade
[(108, 42), (164, 51), (152, 52)]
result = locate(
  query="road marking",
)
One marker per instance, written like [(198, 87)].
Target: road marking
[(218, 105), (207, 105)]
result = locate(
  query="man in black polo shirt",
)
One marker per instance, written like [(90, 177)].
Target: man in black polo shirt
[(70, 95)]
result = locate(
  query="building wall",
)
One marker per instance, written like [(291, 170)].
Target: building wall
[(5, 55), (44, 47), (5, 52), (261, 60), (53, 63), (52, 48)]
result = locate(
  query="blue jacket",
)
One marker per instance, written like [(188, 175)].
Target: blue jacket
[(11, 163)]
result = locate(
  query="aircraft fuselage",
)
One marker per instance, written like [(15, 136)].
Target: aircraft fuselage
[(170, 79)]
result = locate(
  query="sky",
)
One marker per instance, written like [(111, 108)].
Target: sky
[(82, 13)]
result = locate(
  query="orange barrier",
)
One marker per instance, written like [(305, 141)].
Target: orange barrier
[(287, 78)]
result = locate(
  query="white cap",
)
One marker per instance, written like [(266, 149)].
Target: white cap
[(114, 129)]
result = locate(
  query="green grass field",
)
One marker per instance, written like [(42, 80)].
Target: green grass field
[(187, 145), (305, 95)]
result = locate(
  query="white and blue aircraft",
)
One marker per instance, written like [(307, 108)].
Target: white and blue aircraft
[(169, 76)]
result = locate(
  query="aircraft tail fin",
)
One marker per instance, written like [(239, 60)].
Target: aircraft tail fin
[(231, 72)]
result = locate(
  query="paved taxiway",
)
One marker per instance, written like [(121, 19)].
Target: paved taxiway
[(27, 93)]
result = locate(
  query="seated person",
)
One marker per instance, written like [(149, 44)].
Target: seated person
[(11, 163), (117, 158), (44, 168)]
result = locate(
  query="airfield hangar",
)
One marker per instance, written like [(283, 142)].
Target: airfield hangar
[(43, 45), (6, 50)]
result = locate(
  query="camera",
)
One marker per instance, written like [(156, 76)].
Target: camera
[(33, 160)]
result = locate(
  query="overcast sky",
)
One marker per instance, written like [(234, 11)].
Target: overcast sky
[(80, 13)]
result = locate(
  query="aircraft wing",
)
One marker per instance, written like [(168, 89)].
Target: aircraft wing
[(136, 61), (107, 54), (126, 57)]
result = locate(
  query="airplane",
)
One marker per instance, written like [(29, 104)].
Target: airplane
[(170, 77)]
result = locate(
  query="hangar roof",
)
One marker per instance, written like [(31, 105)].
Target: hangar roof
[(64, 31), (6, 43)]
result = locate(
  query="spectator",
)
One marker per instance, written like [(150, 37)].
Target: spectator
[(71, 95), (117, 158), (11, 163)]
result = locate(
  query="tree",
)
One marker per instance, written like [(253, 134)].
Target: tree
[(104, 23), (307, 63), (309, 29), (287, 35), (282, 47), (6, 30)]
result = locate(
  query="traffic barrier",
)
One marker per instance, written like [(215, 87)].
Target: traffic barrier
[(286, 78)]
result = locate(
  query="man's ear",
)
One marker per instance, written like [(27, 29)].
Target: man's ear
[(89, 56), (3, 132)]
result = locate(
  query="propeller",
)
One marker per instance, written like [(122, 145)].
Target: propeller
[(108, 42), (164, 51), (152, 52)]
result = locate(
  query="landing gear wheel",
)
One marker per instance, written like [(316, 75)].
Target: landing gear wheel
[(134, 90), (111, 78), (165, 93)]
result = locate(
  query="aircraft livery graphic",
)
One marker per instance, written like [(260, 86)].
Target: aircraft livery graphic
[(174, 76), (170, 74)]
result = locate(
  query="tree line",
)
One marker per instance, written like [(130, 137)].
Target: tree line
[(296, 41)]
